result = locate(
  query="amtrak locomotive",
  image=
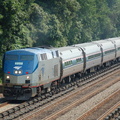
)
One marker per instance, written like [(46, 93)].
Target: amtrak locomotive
[(33, 71)]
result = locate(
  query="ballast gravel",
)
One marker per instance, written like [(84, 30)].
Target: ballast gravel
[(90, 103)]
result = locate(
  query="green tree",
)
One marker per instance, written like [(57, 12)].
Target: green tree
[(15, 33), (88, 18), (63, 15), (114, 15), (106, 27)]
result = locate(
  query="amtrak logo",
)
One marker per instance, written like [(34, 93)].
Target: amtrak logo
[(17, 67)]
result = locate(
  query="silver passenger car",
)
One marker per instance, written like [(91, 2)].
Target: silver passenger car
[(116, 41), (72, 60), (92, 56), (108, 50)]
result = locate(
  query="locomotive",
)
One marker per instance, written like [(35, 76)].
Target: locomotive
[(34, 71)]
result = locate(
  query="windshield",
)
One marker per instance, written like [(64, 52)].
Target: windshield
[(11, 57), (26, 57), (16, 57)]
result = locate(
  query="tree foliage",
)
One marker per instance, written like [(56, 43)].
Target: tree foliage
[(25, 23), (14, 29)]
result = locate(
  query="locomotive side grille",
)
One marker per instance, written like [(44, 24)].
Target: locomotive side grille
[(55, 70)]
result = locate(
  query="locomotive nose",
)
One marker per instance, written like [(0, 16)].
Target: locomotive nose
[(20, 80)]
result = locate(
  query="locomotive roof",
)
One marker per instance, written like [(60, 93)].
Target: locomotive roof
[(34, 50)]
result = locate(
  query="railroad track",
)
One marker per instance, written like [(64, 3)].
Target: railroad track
[(81, 95), (112, 113), (73, 104), (94, 116), (1, 95), (7, 106), (3, 104), (40, 102)]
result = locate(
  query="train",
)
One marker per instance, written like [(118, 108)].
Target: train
[(31, 72)]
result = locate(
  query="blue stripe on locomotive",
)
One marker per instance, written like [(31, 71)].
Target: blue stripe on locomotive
[(17, 64)]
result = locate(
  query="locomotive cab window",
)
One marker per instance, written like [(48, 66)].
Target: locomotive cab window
[(11, 57), (26, 57)]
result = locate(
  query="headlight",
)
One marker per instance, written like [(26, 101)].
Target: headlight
[(8, 77), (28, 77), (20, 72), (16, 72)]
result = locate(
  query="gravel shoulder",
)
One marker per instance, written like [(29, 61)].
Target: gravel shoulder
[(87, 105)]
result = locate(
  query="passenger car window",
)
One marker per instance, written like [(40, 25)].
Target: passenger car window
[(44, 56)]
